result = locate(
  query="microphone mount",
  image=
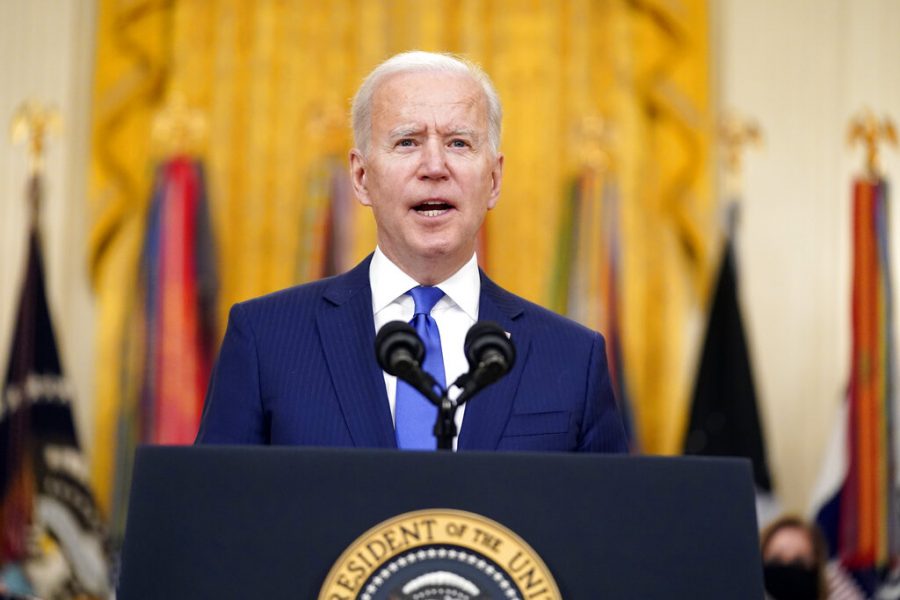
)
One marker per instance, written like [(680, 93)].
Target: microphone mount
[(400, 352)]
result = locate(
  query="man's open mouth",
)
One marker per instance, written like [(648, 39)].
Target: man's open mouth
[(432, 208)]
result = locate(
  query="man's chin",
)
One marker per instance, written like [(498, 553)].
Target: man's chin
[(439, 251), (440, 257)]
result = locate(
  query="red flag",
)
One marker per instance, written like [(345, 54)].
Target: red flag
[(866, 527), (180, 294)]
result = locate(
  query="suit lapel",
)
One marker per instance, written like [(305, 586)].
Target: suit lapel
[(487, 413), (347, 333)]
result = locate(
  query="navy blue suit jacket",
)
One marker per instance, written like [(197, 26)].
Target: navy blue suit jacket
[(297, 367)]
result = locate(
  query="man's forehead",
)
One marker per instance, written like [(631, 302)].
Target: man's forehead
[(407, 92), (429, 78)]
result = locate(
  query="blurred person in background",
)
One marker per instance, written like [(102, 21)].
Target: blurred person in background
[(796, 566), (794, 556)]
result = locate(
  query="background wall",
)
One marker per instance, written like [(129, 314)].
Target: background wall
[(802, 68)]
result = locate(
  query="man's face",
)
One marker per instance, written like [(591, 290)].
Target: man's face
[(430, 174)]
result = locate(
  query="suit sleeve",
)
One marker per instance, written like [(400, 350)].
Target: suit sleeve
[(233, 412), (602, 428)]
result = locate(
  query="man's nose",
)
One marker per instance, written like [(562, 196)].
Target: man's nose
[(434, 161)]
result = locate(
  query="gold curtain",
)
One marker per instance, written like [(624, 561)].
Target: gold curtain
[(274, 79)]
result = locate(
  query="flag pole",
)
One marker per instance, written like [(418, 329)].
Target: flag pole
[(724, 417), (48, 513), (866, 531)]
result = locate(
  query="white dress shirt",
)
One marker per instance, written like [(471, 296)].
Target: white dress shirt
[(454, 314)]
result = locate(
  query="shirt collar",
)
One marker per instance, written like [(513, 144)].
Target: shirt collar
[(389, 282)]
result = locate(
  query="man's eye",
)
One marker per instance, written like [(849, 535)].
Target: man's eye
[(459, 144), (405, 143)]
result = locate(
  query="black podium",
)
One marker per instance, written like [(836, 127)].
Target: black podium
[(253, 522)]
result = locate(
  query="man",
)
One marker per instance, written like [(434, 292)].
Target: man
[(298, 366)]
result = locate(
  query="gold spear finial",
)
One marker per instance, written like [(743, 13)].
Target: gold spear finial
[(32, 123), (178, 127), (593, 138), (866, 128)]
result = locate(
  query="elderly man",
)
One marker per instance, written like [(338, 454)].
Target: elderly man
[(297, 366)]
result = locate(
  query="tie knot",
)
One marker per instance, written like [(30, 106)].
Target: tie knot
[(425, 298)]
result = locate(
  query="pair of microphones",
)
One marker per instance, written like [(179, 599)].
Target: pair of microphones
[(489, 352)]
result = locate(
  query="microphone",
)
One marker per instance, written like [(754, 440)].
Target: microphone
[(490, 354), (398, 348), (400, 352)]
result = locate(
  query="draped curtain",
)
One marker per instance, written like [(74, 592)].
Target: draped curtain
[(273, 79)]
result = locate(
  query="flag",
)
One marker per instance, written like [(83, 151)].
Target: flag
[(724, 420), (587, 284), (856, 498), (326, 228), (54, 542), (180, 284), (611, 322), (339, 227), (167, 364)]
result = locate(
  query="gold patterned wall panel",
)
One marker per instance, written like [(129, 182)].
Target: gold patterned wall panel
[(274, 79), (130, 73), (668, 211)]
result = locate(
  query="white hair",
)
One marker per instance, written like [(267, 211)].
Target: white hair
[(418, 61)]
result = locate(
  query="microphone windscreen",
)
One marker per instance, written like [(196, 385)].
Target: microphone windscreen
[(488, 335), (394, 337)]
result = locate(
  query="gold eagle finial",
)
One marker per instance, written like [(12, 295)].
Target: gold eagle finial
[(178, 127), (735, 134), (866, 128), (593, 139), (33, 123)]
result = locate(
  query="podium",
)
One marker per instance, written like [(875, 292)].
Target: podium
[(257, 522)]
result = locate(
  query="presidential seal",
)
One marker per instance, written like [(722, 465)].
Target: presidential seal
[(439, 554)]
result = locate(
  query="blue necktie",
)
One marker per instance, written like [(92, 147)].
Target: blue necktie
[(415, 414)]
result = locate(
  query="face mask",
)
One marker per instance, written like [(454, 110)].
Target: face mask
[(791, 581)]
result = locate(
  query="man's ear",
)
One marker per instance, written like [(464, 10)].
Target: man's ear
[(496, 180), (358, 177)]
